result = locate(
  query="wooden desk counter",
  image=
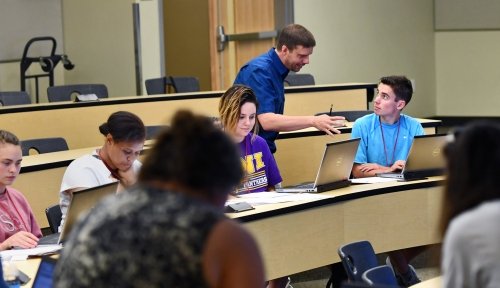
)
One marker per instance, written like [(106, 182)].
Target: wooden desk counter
[(304, 148), (298, 157), (29, 267), (78, 122), (295, 237), (303, 235)]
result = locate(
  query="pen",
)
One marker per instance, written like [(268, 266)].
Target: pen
[(331, 108)]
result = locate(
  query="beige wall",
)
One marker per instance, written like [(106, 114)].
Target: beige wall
[(360, 41), (10, 76), (468, 73), (150, 41), (99, 37), (10, 79), (187, 51)]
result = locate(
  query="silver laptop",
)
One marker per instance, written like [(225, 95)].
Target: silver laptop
[(425, 159), (81, 202), (334, 169)]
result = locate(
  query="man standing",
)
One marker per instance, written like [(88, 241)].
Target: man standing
[(265, 75)]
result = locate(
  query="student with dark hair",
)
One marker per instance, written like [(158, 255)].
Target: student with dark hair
[(471, 208), (387, 134), (386, 137), (124, 135), (18, 227), (265, 75), (170, 229)]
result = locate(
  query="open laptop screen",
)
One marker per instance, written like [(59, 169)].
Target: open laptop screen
[(424, 159), (337, 162), (426, 153), (82, 201), (334, 169)]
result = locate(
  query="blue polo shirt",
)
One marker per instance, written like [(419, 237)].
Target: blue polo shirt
[(265, 75)]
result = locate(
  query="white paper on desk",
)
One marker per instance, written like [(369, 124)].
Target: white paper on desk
[(371, 180), (262, 198), (23, 254)]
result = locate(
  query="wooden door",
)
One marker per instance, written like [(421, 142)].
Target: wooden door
[(237, 17)]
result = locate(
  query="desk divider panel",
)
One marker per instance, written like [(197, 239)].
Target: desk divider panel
[(309, 238), (310, 103), (298, 156)]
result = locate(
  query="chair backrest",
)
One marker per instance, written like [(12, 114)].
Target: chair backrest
[(299, 79), (357, 257), (14, 98), (380, 275), (44, 145), (64, 92), (54, 216), (184, 84), (157, 85), (153, 130), (350, 115)]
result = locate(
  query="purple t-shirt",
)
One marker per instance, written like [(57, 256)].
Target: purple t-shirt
[(259, 165)]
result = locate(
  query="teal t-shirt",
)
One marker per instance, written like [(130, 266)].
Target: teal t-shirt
[(371, 147)]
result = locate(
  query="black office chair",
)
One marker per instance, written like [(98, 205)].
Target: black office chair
[(357, 257), (43, 145), (380, 275), (64, 92), (158, 85), (54, 217), (299, 80), (350, 115), (183, 84), (14, 98), (153, 130)]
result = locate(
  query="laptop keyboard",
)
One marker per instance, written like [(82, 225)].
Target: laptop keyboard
[(304, 185), (49, 239)]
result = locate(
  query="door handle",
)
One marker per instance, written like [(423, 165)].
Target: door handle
[(223, 38)]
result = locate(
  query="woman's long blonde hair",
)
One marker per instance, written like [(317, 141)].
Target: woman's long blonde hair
[(230, 106)]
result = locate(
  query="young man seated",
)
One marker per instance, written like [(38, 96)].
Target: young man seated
[(387, 134), (386, 137)]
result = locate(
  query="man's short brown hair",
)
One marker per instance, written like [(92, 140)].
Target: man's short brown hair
[(293, 35)]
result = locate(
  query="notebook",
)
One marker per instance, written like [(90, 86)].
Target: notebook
[(334, 169), (81, 202), (424, 159), (45, 273)]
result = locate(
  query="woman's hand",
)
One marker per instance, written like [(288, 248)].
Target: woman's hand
[(128, 177), (21, 239)]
